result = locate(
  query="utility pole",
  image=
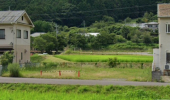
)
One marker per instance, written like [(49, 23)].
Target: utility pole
[(56, 30), (84, 26)]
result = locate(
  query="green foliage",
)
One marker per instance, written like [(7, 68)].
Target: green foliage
[(105, 58), (37, 58), (113, 62), (14, 70), (66, 92), (6, 58), (43, 26)]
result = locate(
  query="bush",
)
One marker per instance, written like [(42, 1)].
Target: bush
[(6, 58), (113, 62), (14, 70)]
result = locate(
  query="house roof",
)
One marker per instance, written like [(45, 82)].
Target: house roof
[(37, 34), (8, 17), (152, 23), (94, 34), (164, 10)]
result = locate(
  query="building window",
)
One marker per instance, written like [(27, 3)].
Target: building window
[(167, 28), (21, 56), (167, 57), (25, 34), (22, 18), (149, 25), (18, 33), (2, 33)]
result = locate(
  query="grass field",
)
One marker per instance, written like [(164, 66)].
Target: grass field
[(89, 71), (104, 58), (70, 92)]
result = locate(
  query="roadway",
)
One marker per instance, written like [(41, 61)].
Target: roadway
[(78, 82)]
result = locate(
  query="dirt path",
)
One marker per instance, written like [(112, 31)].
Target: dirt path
[(78, 82), (50, 58)]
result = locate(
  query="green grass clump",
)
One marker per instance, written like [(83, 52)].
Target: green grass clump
[(14, 70), (77, 92), (37, 58), (104, 58)]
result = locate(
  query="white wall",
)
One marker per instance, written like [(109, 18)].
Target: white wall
[(22, 45), (155, 59), (8, 35), (164, 41)]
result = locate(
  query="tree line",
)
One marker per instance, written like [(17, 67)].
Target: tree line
[(109, 35), (74, 12)]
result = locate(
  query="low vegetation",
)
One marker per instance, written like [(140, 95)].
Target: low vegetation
[(105, 58), (14, 70), (77, 92), (95, 71)]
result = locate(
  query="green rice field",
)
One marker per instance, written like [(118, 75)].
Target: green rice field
[(104, 58), (77, 92)]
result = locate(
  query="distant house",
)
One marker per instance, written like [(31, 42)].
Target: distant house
[(15, 34), (161, 55), (151, 25), (93, 34), (37, 34)]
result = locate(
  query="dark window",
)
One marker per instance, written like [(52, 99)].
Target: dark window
[(25, 34), (149, 25), (21, 56), (22, 18), (167, 57), (2, 33), (18, 33), (167, 28)]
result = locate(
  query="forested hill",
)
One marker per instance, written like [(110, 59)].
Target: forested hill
[(74, 12)]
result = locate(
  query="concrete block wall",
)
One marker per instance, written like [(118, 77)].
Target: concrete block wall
[(156, 75)]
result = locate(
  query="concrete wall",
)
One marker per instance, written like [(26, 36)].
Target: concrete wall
[(164, 42), (156, 75), (9, 35), (22, 45), (155, 59)]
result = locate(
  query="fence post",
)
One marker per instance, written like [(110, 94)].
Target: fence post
[(41, 72), (78, 73), (59, 73)]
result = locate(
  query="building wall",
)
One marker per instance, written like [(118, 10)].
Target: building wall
[(24, 20), (155, 59), (8, 35), (22, 45), (164, 41)]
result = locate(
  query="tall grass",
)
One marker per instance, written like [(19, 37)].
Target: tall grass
[(69, 92), (104, 58)]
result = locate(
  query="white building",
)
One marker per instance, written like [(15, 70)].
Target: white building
[(162, 55), (15, 34)]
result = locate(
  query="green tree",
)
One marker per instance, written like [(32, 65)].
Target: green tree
[(40, 44), (51, 42), (147, 39), (6, 58)]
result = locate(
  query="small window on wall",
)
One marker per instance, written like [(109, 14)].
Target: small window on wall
[(2, 33), (18, 33), (167, 57), (167, 28), (25, 34), (21, 56)]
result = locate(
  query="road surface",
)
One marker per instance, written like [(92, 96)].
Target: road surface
[(78, 82)]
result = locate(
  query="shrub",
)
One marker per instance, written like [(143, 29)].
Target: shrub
[(6, 58), (14, 70), (113, 62)]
